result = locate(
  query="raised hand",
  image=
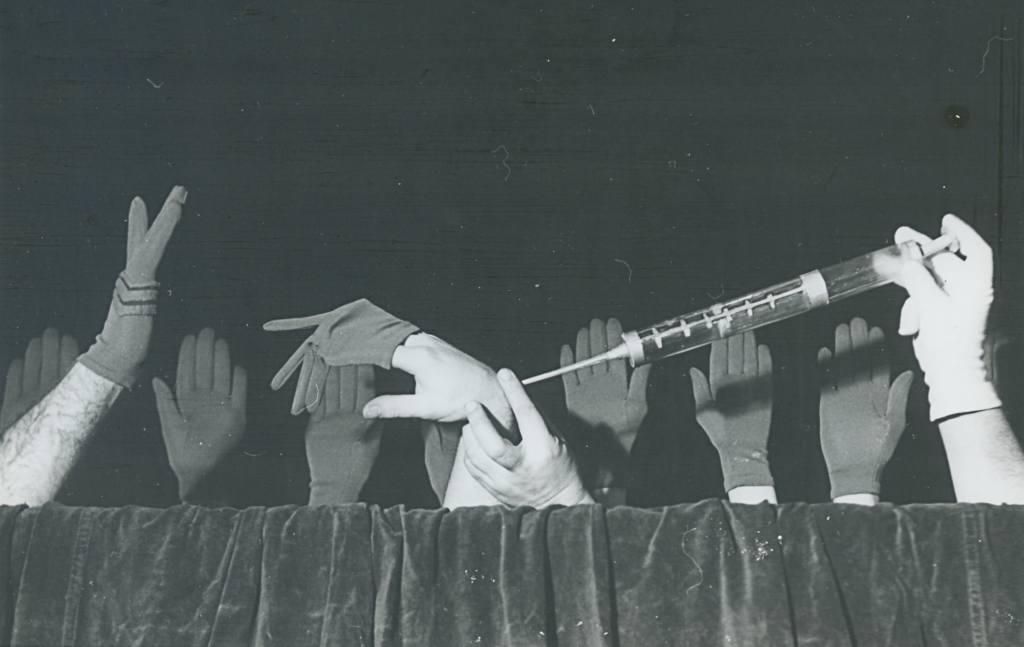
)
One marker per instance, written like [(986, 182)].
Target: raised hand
[(342, 445), (537, 472), (735, 408), (354, 334), (121, 348), (947, 313), (604, 399), (47, 360), (862, 416), (208, 418)]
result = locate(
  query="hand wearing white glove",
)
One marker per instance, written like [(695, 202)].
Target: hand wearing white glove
[(947, 313)]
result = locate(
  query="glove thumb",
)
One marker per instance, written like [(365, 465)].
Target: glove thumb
[(167, 410), (896, 411), (701, 389)]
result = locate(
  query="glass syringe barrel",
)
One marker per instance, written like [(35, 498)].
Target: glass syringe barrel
[(782, 301)]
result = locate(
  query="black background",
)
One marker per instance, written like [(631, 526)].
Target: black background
[(497, 173)]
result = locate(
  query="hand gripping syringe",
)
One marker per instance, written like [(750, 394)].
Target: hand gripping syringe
[(782, 301)]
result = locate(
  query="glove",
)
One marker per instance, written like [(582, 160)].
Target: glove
[(342, 445), (947, 314), (862, 417), (603, 398), (357, 333), (735, 409), (121, 348), (209, 417), (46, 362), (440, 445)]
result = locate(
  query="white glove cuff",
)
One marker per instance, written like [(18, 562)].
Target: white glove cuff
[(961, 392)]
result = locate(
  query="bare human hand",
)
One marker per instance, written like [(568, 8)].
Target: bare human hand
[(537, 472), (208, 418)]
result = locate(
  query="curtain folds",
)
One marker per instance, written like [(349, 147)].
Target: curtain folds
[(708, 573)]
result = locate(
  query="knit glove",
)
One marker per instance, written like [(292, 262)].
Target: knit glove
[(862, 416), (735, 408)]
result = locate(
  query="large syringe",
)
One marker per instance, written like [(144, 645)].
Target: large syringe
[(781, 301)]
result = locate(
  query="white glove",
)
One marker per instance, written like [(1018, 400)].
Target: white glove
[(947, 312)]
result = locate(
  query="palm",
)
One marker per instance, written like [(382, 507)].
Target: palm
[(208, 418), (207, 428), (602, 397)]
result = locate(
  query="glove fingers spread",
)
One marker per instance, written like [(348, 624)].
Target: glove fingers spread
[(146, 257)]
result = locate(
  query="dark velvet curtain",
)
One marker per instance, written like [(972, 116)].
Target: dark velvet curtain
[(710, 573)]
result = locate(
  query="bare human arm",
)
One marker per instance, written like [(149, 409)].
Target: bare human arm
[(39, 450), (947, 314)]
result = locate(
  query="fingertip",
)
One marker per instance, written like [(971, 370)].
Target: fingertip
[(565, 356), (506, 375), (824, 356)]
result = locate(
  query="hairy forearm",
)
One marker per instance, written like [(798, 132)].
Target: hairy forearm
[(985, 460), (38, 451)]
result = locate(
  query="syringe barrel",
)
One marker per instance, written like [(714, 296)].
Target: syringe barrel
[(769, 305)]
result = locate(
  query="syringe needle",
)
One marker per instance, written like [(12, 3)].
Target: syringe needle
[(619, 352)]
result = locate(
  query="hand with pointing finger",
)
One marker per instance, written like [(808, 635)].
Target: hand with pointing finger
[(538, 472)]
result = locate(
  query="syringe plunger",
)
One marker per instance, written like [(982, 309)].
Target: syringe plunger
[(781, 301)]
